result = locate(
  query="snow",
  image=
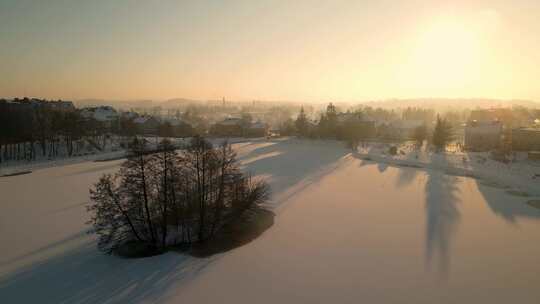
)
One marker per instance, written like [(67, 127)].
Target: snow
[(348, 230), (103, 113), (112, 150), (521, 174)]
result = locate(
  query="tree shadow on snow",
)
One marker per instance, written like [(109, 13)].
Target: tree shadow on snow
[(500, 202), (406, 176), (442, 219), (83, 275), (294, 162)]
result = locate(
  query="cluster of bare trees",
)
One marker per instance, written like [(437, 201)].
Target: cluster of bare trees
[(166, 198), (30, 128)]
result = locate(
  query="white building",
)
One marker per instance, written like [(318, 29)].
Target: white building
[(101, 114)]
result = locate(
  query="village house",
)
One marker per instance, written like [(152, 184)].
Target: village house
[(179, 128), (504, 115), (256, 129), (106, 116), (483, 135), (231, 126), (526, 139), (103, 113), (147, 125), (238, 127)]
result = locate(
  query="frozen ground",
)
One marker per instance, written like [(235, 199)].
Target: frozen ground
[(520, 175), (348, 230), (112, 151)]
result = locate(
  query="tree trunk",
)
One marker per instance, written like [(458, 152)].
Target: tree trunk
[(145, 194)]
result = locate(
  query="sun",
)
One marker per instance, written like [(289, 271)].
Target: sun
[(445, 55)]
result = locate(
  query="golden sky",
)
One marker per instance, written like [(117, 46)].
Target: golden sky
[(304, 50)]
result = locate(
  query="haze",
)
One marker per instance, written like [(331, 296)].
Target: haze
[(286, 50)]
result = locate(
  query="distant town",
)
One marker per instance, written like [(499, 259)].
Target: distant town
[(37, 129)]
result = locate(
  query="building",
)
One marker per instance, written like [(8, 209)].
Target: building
[(483, 135), (106, 116), (101, 114), (228, 127), (147, 125), (179, 128), (238, 127), (504, 115), (526, 139), (256, 129)]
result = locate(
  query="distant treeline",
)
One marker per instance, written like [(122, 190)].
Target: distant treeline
[(38, 128), (29, 125)]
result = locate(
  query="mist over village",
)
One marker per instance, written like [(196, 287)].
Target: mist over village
[(269, 152)]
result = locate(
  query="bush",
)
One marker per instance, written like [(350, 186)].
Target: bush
[(136, 249)]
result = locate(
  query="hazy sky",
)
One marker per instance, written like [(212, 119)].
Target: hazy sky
[(287, 50)]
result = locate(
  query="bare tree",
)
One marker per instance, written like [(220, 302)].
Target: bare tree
[(192, 194)]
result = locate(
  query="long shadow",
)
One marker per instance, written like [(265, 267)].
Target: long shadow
[(442, 219), (94, 168), (501, 202), (504, 205), (43, 249), (406, 176), (290, 162), (442, 212), (83, 275)]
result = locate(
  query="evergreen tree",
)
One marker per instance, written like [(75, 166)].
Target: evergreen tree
[(327, 127), (420, 134), (301, 123), (442, 134)]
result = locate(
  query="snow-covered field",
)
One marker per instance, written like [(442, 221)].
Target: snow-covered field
[(112, 151), (348, 230)]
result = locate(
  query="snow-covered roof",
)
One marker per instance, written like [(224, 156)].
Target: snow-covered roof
[(103, 113)]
